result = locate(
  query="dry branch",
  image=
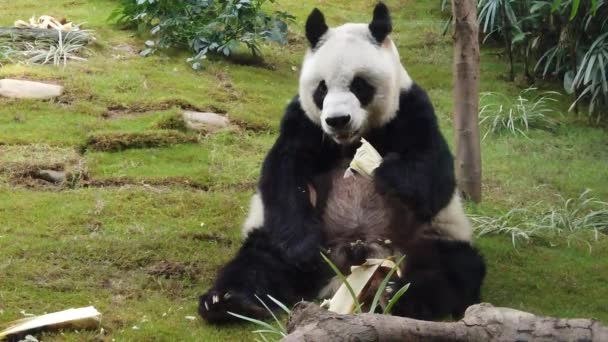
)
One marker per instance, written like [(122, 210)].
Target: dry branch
[(482, 322)]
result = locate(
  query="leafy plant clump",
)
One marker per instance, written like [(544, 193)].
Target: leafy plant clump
[(67, 46), (573, 216), (204, 26), (501, 113), (563, 39)]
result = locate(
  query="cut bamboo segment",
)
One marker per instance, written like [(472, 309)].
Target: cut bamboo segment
[(342, 302), (366, 160), (81, 318)]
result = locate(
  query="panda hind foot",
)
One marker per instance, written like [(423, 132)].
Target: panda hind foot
[(214, 307)]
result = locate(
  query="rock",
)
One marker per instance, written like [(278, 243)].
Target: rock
[(28, 89), (52, 176), (205, 121)]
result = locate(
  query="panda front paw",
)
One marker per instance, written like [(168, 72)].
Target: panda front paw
[(214, 307), (407, 183), (357, 253), (389, 175)]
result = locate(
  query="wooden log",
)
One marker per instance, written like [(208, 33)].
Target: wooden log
[(482, 322), (32, 34)]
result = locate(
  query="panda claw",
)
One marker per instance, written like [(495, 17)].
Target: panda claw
[(227, 295), (206, 306)]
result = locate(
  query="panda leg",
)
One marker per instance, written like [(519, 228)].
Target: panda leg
[(445, 279), (257, 270)]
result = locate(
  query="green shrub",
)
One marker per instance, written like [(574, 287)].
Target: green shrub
[(562, 39), (500, 113), (582, 218), (203, 26)]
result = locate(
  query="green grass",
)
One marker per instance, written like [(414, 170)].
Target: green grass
[(155, 225)]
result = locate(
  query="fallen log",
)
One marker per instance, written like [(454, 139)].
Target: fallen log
[(482, 322), (33, 34)]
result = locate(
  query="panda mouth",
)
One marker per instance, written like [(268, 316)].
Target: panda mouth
[(345, 137)]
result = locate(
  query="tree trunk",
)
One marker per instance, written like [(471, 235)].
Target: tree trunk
[(482, 322), (466, 98)]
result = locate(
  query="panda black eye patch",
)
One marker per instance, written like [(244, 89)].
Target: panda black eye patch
[(319, 95), (362, 90)]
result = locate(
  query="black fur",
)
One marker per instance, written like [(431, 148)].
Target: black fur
[(418, 166), (282, 257), (259, 269), (381, 24), (315, 27), (319, 95), (445, 279), (362, 90)]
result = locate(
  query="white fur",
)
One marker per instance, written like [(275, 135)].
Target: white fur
[(345, 52), (255, 218), (452, 223)]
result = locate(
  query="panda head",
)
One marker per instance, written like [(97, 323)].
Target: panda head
[(351, 76)]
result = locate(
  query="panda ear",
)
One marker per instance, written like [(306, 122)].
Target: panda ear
[(381, 25), (315, 27)]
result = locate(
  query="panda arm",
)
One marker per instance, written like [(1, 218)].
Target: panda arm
[(418, 166), (289, 167)]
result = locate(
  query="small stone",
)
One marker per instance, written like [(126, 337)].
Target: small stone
[(52, 176), (205, 121), (21, 89)]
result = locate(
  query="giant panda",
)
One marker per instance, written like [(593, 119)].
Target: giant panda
[(352, 86)]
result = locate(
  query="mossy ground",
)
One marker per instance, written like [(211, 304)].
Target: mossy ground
[(151, 227)]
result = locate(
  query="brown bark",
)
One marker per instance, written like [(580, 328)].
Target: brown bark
[(466, 98), (482, 322)]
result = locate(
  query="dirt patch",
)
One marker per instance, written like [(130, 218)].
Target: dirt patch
[(221, 239), (33, 181), (225, 83), (250, 60), (122, 51), (156, 185), (253, 127), (240, 187), (171, 270), (41, 165), (115, 111), (113, 142), (174, 122)]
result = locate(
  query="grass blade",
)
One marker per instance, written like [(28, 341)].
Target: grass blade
[(279, 304), (281, 326), (383, 284), (395, 299), (253, 320)]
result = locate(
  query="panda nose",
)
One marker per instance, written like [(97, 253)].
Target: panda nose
[(338, 121)]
